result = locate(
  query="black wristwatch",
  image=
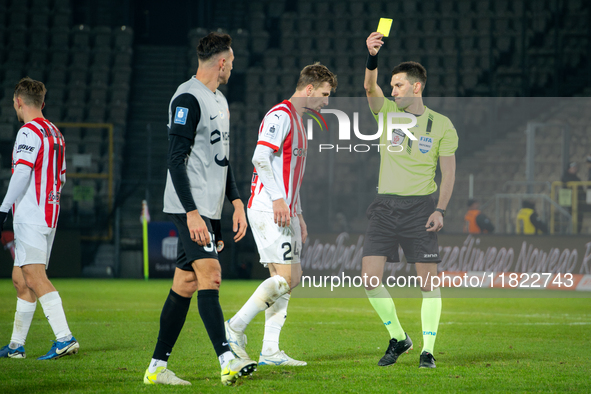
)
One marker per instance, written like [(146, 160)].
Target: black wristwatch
[(442, 211)]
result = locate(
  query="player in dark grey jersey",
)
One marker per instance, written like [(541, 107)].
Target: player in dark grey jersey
[(199, 176)]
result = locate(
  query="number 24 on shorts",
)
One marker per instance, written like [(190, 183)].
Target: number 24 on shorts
[(286, 248)]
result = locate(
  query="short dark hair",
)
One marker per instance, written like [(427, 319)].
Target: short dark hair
[(212, 44), (316, 74), (415, 72), (32, 92)]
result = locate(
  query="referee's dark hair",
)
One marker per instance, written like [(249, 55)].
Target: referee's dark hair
[(415, 72), (31, 92), (212, 44)]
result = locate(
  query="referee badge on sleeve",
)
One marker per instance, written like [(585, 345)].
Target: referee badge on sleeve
[(180, 115)]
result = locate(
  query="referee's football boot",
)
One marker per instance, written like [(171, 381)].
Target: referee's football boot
[(237, 341), (164, 376), (236, 368), (395, 349), (19, 352), (427, 360), (280, 359), (61, 349)]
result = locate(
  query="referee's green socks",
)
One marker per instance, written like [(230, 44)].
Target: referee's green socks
[(382, 302), (430, 313)]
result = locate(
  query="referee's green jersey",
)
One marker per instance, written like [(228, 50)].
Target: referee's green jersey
[(411, 171)]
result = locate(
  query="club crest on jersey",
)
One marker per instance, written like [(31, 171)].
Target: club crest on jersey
[(425, 144), (271, 131), (53, 198), (180, 115), (398, 137)]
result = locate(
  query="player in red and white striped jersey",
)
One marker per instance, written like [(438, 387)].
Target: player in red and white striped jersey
[(282, 130), (40, 146), (38, 175), (275, 214)]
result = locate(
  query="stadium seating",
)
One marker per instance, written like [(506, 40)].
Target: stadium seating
[(87, 71), (471, 48)]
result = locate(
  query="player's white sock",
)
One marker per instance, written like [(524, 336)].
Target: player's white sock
[(154, 364), (22, 321), (225, 358), (274, 319), (263, 297), (54, 311)]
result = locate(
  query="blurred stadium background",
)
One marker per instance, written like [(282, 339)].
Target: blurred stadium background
[(110, 68)]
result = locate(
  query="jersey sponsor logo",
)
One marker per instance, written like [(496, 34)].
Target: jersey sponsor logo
[(425, 144), (53, 198), (180, 115), (215, 137), (398, 137), (212, 117), (430, 255), (222, 163), (272, 130), (300, 152), (25, 148)]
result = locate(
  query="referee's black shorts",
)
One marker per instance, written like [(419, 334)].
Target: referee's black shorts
[(400, 220), (188, 250)]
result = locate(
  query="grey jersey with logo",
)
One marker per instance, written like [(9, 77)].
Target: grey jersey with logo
[(207, 163)]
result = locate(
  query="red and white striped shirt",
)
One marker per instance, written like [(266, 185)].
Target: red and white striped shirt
[(283, 131), (41, 146)]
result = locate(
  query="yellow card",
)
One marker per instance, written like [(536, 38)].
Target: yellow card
[(384, 26)]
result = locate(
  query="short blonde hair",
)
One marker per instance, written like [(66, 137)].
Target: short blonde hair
[(316, 74), (31, 92)]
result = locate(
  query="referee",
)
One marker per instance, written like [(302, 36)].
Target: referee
[(199, 175), (404, 213)]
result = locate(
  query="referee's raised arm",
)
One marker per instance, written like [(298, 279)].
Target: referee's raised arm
[(374, 93)]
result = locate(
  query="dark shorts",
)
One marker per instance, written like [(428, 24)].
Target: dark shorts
[(188, 250), (394, 221)]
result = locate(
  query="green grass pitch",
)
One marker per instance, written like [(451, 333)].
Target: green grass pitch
[(483, 344)]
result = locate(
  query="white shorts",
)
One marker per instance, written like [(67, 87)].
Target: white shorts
[(279, 245), (32, 244)]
